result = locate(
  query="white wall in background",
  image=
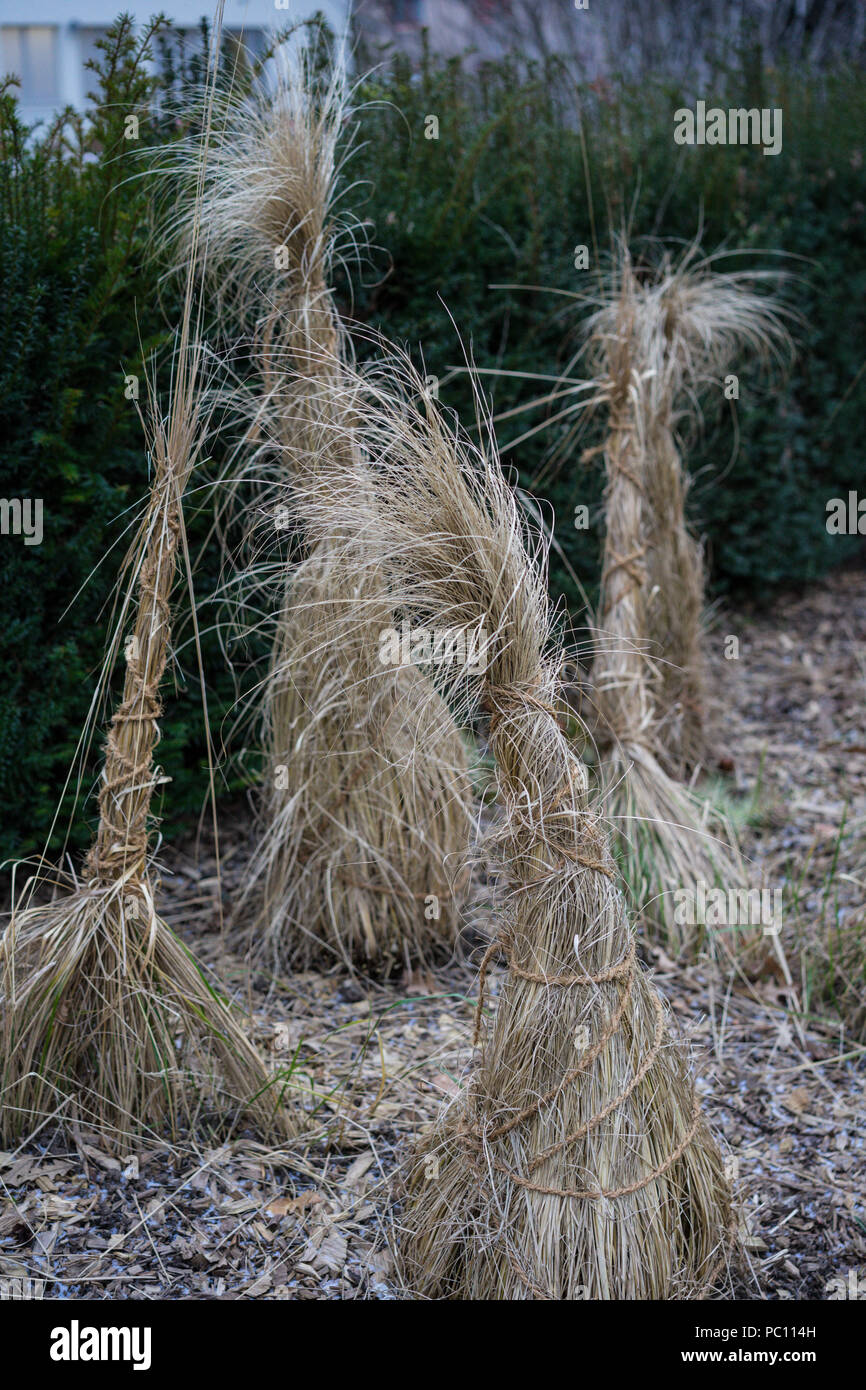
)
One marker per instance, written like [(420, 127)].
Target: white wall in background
[(46, 42)]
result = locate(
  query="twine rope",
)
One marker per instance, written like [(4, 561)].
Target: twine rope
[(474, 1136), (496, 697), (493, 700), (614, 452), (622, 973), (612, 1105), (128, 775), (602, 1193), (629, 563), (586, 1060), (617, 466), (708, 1280)]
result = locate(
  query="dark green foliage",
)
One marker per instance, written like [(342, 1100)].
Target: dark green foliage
[(80, 310), (529, 164)]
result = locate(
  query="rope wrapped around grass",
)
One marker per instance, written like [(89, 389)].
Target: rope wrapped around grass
[(129, 775), (510, 1193), (342, 859), (666, 334), (96, 990), (570, 839), (668, 838), (107, 1022)]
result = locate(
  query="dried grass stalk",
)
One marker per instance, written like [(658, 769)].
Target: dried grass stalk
[(663, 340), (576, 1163), (105, 1017), (366, 797), (657, 343), (96, 991)]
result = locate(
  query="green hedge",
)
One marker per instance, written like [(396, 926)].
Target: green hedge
[(530, 163), (81, 306), (502, 197)]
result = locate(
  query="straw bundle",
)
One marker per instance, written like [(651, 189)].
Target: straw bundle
[(105, 1018), (657, 344), (665, 838), (577, 1163), (95, 989), (663, 340), (366, 796)]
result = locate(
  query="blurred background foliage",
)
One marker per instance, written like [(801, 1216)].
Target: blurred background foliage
[(531, 161)]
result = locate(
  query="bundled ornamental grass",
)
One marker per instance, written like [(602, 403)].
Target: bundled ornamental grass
[(366, 817), (665, 337), (106, 1020), (658, 342), (365, 802), (576, 1162)]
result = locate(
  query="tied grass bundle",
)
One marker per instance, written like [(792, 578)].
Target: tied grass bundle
[(663, 339), (369, 794), (576, 1163), (667, 838), (657, 343), (105, 1017), (106, 1020), (366, 798)]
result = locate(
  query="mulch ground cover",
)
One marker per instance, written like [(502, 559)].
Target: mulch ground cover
[(781, 1068)]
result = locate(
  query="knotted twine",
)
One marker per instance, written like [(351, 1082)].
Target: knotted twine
[(592, 854), (120, 849)]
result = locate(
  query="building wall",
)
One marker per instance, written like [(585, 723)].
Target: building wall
[(614, 35), (453, 26), (484, 28), (46, 42)]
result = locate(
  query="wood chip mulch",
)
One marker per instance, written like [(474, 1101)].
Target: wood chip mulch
[(781, 1071)]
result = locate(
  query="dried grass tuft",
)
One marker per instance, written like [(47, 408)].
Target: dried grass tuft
[(658, 342), (108, 1023), (268, 175), (366, 797), (105, 1017), (576, 1162), (104, 1013)]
